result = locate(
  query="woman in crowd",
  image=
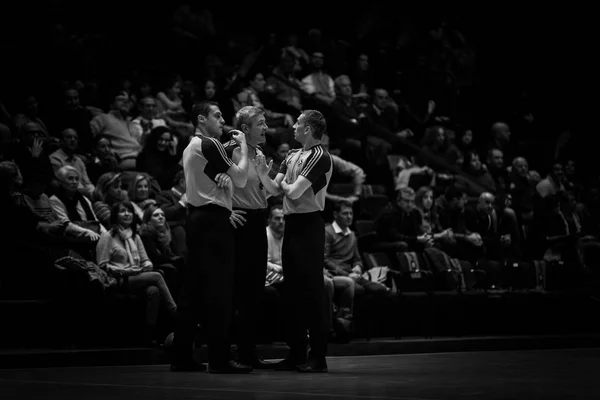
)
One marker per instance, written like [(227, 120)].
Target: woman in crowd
[(121, 253)]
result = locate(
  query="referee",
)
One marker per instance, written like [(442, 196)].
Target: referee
[(208, 282), (249, 216), (303, 178)]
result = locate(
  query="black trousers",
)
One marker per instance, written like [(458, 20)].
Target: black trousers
[(250, 273), (208, 279), (304, 288)]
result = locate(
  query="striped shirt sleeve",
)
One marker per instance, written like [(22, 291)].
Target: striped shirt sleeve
[(317, 164), (216, 155)]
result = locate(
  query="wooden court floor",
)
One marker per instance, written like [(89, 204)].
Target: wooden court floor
[(534, 374)]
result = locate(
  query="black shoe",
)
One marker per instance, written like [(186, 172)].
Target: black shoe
[(257, 363), (231, 367), (189, 366), (313, 365)]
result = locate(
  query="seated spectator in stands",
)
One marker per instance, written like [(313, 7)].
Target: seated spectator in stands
[(477, 179), (464, 141), (121, 252), (400, 222), (74, 115), (25, 253), (464, 244), (29, 111), (103, 159), (285, 87), (408, 174), (436, 146), (141, 126), (173, 202), (343, 172), (156, 236), (499, 172), (522, 190), (139, 195), (318, 83), (495, 228), (275, 229), (115, 125), (108, 192), (75, 211), (31, 154), (425, 204), (66, 156), (500, 140), (384, 122), (350, 128), (170, 108), (342, 256), (159, 157), (278, 156), (553, 183)]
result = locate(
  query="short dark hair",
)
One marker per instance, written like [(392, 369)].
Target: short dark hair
[(202, 108), (275, 207), (316, 121), (338, 206)]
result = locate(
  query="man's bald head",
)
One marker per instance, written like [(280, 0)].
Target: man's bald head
[(501, 130), (486, 202)]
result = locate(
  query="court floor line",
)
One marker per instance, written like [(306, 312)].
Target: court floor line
[(116, 385)]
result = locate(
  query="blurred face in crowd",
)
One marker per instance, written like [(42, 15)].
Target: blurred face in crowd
[(440, 136), (558, 172), (570, 167), (381, 99), (406, 202), (114, 189), (345, 87), (363, 62), (175, 90), (31, 131), (276, 221), (282, 151), (122, 103), (486, 203), (158, 217), (72, 99), (458, 203), (475, 162), (428, 200), (70, 140), (317, 60), (258, 83), (521, 167), (210, 89), (162, 144), (70, 182), (103, 148), (344, 217), (496, 159), (467, 137), (148, 108), (142, 190)]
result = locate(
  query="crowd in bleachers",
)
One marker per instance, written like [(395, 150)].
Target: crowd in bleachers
[(420, 201)]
